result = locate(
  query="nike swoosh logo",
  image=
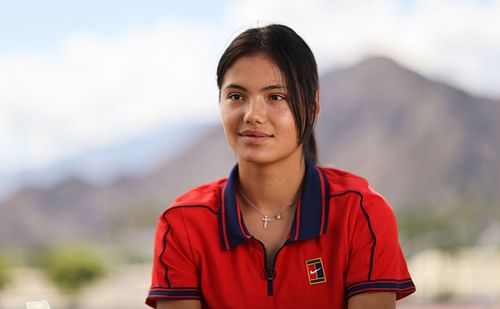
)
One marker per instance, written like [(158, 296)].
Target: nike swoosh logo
[(313, 272)]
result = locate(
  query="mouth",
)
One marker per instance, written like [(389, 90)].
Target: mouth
[(254, 133), (254, 136)]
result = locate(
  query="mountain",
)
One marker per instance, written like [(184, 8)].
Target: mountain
[(102, 164), (418, 141), (422, 143)]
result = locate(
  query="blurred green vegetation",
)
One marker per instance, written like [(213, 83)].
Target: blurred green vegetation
[(446, 227), (5, 275), (72, 268)]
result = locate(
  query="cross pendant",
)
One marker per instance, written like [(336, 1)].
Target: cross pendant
[(266, 219)]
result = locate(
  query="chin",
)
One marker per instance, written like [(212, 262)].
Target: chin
[(266, 155), (256, 159), (263, 159)]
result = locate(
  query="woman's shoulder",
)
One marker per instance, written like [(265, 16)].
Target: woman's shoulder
[(205, 196), (342, 182)]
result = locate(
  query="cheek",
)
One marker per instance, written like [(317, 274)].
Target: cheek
[(229, 119), (287, 124)]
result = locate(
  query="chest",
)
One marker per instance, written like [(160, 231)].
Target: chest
[(271, 232), (305, 274)]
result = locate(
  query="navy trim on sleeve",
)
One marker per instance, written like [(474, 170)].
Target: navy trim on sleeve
[(402, 288), (176, 292), (156, 294)]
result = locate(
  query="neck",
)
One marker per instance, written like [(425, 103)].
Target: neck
[(271, 186)]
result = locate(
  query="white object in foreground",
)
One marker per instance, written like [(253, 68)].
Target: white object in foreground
[(41, 304)]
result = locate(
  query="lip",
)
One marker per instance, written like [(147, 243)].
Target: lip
[(254, 136)]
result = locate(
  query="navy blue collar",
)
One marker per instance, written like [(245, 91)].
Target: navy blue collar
[(311, 215)]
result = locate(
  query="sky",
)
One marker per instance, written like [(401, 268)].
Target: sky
[(76, 75)]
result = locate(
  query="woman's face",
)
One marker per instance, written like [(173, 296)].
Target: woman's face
[(257, 120)]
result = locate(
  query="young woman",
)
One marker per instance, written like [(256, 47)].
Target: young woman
[(279, 232)]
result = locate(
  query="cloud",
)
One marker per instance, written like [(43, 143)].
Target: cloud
[(94, 90)]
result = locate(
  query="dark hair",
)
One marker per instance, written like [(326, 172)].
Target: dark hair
[(298, 66)]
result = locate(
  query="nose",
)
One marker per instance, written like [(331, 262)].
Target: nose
[(255, 111)]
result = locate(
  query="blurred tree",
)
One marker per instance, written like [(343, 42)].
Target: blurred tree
[(4, 273), (71, 269), (447, 228)]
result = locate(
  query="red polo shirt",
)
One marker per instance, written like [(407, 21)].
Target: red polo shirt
[(343, 242)]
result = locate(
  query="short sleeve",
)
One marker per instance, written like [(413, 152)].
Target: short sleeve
[(175, 274), (376, 261)]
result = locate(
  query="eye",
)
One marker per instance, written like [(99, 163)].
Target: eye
[(277, 97), (235, 97)]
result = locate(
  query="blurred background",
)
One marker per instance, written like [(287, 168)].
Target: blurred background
[(108, 110)]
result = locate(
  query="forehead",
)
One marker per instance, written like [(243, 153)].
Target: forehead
[(256, 71)]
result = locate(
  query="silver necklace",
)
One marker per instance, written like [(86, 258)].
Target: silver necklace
[(267, 218)]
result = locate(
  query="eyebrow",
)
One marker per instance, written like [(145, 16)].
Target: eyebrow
[(270, 87)]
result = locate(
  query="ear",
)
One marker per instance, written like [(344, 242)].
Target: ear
[(318, 106)]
